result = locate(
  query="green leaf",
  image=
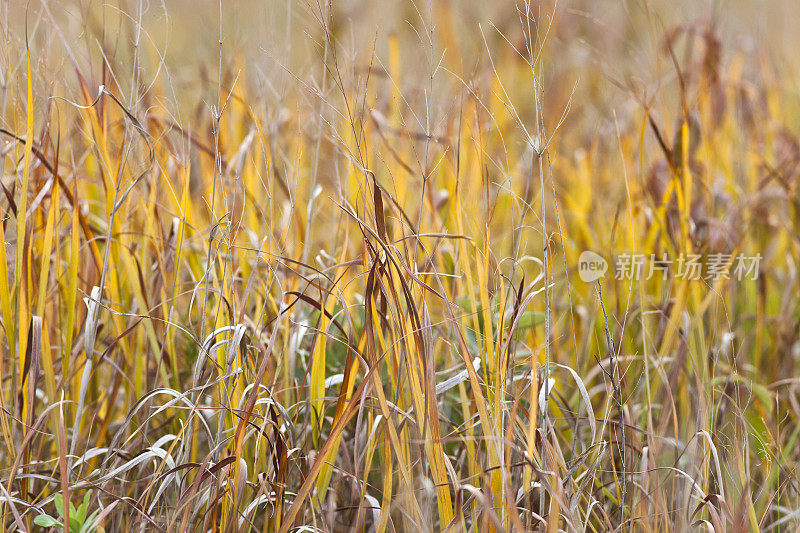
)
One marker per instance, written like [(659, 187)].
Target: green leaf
[(82, 508), (59, 501), (88, 525), (86, 498), (528, 320), (44, 520), (75, 524)]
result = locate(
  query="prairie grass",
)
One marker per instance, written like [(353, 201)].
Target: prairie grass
[(297, 266)]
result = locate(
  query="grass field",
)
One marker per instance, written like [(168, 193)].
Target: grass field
[(399, 266)]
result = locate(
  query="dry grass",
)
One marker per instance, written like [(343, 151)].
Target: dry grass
[(286, 269)]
